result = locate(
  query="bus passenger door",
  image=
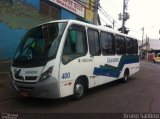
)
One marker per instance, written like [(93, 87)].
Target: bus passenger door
[(75, 47)]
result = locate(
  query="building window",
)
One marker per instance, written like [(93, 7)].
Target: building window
[(94, 43), (107, 43), (49, 10)]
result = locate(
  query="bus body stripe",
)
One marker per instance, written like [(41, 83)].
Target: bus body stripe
[(111, 71)]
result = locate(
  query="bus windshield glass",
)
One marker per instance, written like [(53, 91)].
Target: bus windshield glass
[(41, 42)]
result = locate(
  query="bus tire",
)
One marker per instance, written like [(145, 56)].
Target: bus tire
[(79, 89), (126, 76)]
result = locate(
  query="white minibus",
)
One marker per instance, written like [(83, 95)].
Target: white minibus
[(66, 57)]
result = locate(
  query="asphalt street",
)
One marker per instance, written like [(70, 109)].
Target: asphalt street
[(141, 94)]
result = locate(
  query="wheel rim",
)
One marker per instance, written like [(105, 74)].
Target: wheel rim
[(79, 90), (126, 77)]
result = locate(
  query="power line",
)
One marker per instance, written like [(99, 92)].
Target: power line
[(110, 20), (105, 12), (93, 5), (108, 16), (103, 20), (105, 15)]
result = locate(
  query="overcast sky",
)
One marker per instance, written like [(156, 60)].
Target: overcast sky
[(143, 13)]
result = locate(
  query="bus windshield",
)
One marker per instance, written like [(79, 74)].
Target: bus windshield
[(40, 42)]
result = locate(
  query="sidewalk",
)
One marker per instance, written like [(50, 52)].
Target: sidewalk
[(5, 91), (4, 66)]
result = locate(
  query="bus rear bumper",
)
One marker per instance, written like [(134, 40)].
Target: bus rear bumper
[(43, 89)]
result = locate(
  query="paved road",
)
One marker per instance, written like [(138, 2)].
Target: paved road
[(140, 94)]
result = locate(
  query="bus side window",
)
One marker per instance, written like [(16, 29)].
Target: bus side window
[(130, 46), (107, 43), (75, 44), (120, 45), (135, 46), (94, 42)]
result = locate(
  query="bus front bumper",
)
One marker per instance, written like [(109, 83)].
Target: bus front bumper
[(43, 89)]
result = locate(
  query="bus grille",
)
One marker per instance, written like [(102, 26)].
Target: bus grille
[(27, 78)]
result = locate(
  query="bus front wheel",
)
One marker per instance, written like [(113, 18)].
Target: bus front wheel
[(79, 89)]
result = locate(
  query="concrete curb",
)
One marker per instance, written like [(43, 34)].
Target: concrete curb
[(4, 73)]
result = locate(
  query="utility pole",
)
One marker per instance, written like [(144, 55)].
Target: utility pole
[(124, 16), (95, 18), (99, 21), (142, 34), (159, 33), (141, 49), (123, 21), (147, 46), (113, 23), (146, 42)]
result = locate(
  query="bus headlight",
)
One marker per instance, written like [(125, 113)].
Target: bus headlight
[(46, 74)]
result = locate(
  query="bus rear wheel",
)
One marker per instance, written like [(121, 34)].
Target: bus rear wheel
[(126, 76), (79, 89)]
